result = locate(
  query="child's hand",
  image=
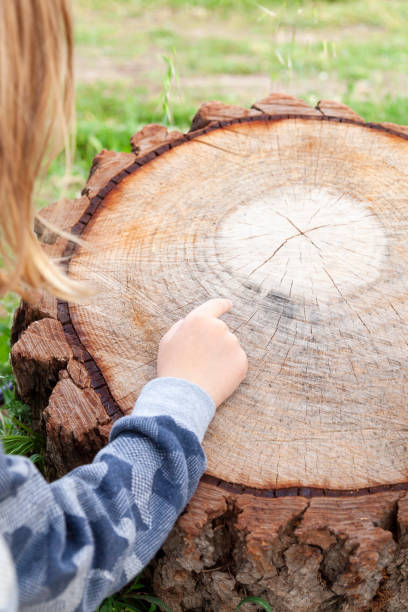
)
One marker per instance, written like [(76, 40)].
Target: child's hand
[(200, 348)]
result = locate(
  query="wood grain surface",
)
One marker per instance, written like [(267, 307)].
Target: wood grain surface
[(302, 222)]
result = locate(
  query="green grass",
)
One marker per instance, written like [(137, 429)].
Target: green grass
[(135, 597), (354, 51), (7, 305), (16, 433), (247, 36)]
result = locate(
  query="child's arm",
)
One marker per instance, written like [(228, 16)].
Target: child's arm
[(89, 533)]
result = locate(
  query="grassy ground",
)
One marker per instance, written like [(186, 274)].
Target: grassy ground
[(143, 61), (240, 50), (354, 51)]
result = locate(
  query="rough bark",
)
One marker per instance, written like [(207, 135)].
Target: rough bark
[(336, 109), (298, 554), (284, 104), (210, 112), (151, 137), (298, 213)]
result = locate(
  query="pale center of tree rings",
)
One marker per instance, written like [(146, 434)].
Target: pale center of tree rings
[(303, 241)]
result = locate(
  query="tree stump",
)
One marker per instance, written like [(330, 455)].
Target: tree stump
[(300, 215)]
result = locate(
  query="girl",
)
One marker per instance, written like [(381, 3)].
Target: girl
[(69, 544)]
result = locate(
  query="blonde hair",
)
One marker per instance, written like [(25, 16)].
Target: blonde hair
[(37, 109)]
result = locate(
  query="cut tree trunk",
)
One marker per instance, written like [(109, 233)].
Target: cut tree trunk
[(300, 215)]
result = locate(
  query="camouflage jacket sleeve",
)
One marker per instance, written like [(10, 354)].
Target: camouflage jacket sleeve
[(83, 537)]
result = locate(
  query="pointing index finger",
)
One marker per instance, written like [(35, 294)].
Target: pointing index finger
[(214, 307)]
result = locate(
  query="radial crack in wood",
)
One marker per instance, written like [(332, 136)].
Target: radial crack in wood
[(336, 109)]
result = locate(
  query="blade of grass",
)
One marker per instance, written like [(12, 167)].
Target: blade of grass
[(167, 84), (150, 599), (257, 600)]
